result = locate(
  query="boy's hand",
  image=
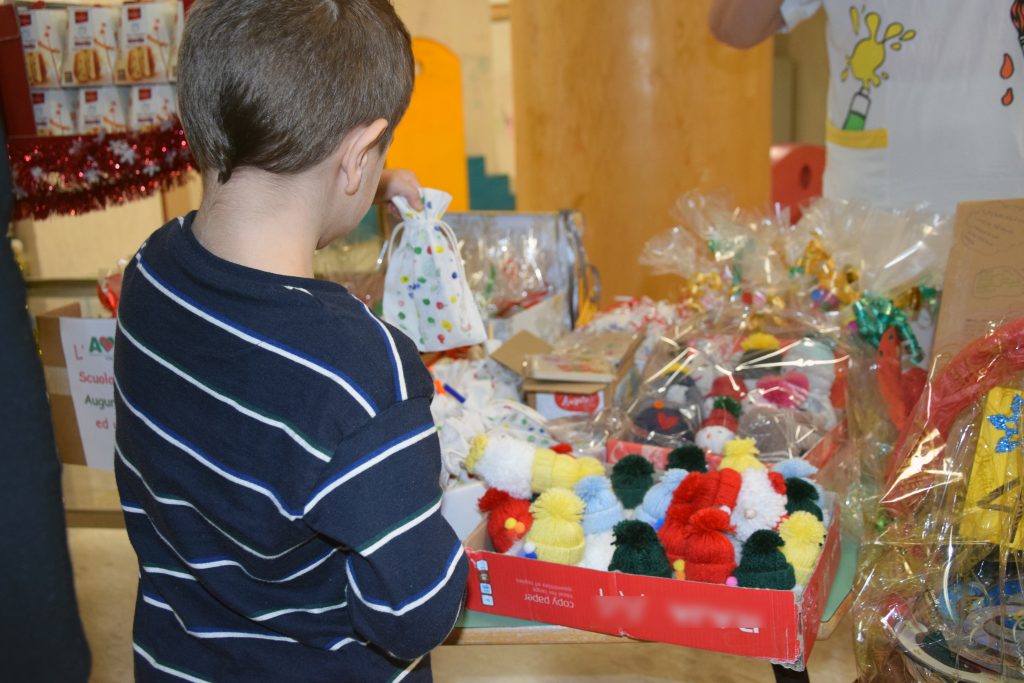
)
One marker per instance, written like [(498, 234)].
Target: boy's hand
[(399, 182)]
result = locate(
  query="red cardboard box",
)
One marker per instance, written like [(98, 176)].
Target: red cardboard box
[(766, 624)]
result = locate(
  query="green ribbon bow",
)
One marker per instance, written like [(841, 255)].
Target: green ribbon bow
[(874, 315)]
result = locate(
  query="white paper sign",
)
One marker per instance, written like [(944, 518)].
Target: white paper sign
[(89, 352)]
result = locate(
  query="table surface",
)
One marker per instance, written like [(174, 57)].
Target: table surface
[(90, 500)]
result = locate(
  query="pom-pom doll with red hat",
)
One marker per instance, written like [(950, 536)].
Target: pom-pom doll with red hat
[(717, 430), (698, 491), (602, 511), (707, 552), (508, 519), (727, 392)]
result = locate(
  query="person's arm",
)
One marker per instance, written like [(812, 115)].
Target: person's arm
[(745, 23), (381, 499)]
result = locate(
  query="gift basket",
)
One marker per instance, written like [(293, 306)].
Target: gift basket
[(941, 597)]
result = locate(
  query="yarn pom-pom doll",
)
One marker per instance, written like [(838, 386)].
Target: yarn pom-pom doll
[(804, 535), (520, 469), (508, 519), (717, 430), (638, 551), (763, 564), (689, 457), (761, 503), (740, 455), (802, 495), (602, 511), (657, 499), (556, 534), (760, 357), (631, 477), (708, 555)]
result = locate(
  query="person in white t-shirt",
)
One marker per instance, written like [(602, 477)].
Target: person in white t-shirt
[(926, 97)]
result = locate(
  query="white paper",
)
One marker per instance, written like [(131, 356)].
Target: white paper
[(89, 353)]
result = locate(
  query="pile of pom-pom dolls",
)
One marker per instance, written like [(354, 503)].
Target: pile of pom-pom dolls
[(743, 523)]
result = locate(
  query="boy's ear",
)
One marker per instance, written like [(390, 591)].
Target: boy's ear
[(356, 152)]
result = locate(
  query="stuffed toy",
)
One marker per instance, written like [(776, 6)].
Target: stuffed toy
[(760, 358), (631, 477), (717, 430), (657, 499), (790, 390), (802, 495), (520, 469), (763, 564), (760, 504), (707, 553), (727, 392), (557, 534), (698, 491), (508, 519), (689, 457), (740, 455), (803, 535), (602, 511), (637, 551)]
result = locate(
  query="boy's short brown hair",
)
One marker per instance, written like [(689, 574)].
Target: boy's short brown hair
[(276, 84)]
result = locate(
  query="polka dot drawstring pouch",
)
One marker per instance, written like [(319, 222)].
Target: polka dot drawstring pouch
[(426, 294)]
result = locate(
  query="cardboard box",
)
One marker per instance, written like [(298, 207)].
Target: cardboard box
[(102, 110), (766, 624), (91, 52), (56, 112), (78, 363), (566, 399), (459, 507), (43, 40), (149, 106), (984, 283), (146, 41)]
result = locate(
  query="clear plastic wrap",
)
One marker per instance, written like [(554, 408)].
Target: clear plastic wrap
[(770, 376), (940, 596)]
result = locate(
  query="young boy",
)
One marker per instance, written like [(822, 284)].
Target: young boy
[(276, 457)]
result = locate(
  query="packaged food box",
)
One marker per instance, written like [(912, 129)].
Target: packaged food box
[(43, 39), (151, 105), (179, 29), (102, 110), (146, 42), (55, 111), (91, 46)]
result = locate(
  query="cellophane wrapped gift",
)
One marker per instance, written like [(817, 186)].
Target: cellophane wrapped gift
[(939, 595)]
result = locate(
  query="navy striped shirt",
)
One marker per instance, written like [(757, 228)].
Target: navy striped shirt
[(278, 469)]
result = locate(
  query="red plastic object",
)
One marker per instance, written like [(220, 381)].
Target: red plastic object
[(797, 171)]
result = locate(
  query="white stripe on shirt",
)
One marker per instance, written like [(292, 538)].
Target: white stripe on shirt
[(259, 343), (388, 609)]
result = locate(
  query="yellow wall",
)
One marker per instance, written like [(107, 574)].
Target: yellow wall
[(801, 104)]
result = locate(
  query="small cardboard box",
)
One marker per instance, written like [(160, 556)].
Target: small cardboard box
[(91, 52), (147, 38), (56, 112), (151, 105), (766, 624), (102, 110), (566, 399), (984, 283), (43, 39), (78, 364)]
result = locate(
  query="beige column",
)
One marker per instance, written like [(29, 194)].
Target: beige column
[(623, 105)]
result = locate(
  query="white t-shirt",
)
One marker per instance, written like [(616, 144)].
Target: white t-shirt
[(926, 99)]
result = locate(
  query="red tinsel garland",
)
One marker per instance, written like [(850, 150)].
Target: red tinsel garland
[(75, 174)]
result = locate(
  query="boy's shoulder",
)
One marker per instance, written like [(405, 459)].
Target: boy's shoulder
[(315, 327)]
